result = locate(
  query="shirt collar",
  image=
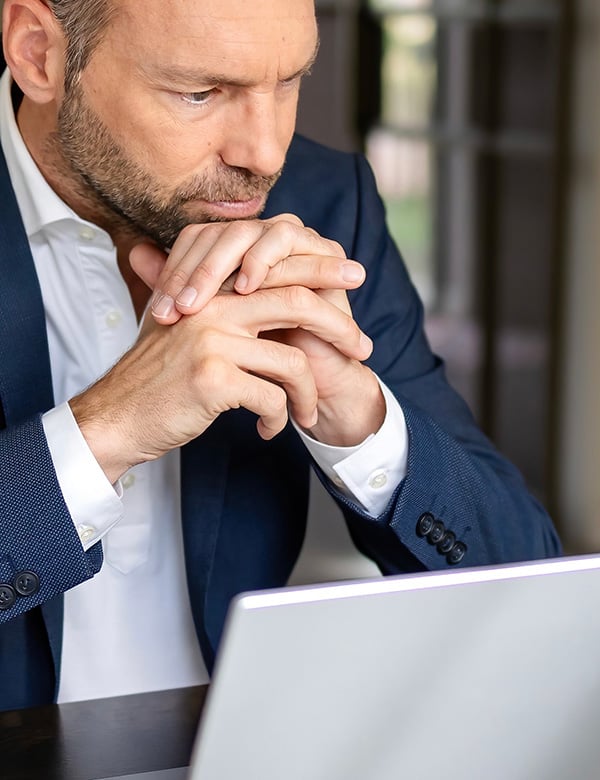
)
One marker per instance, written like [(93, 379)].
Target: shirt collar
[(39, 205)]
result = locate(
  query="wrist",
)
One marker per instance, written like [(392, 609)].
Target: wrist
[(355, 411), (103, 441)]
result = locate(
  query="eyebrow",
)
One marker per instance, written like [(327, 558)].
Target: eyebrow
[(173, 73)]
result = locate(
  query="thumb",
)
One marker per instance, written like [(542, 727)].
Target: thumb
[(147, 260)]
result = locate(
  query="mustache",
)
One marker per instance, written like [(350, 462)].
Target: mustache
[(226, 185)]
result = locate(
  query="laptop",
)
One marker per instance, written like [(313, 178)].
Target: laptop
[(489, 673)]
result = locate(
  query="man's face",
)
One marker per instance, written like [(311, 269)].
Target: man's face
[(186, 109)]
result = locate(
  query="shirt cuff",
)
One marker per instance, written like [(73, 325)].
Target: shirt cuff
[(371, 471), (93, 503)]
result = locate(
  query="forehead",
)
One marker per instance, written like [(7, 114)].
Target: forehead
[(241, 35)]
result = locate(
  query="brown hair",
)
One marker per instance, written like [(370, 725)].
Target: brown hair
[(83, 22)]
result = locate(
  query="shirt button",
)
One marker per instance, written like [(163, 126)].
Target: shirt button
[(87, 233), (86, 532), (338, 482), (113, 319), (128, 481), (378, 480)]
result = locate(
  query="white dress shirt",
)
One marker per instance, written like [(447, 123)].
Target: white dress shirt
[(130, 629)]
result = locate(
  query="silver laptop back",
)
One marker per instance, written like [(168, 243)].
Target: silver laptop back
[(483, 674)]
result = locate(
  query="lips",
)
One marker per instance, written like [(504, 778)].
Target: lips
[(235, 209)]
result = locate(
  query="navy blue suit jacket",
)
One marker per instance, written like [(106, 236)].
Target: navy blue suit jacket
[(244, 500)]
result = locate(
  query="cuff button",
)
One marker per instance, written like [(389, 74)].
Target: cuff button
[(26, 583), (7, 596), (425, 524), (437, 532), (447, 543), (378, 480), (457, 553)]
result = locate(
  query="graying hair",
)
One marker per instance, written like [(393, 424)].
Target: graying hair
[(84, 22)]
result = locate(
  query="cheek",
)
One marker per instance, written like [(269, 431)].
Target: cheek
[(159, 143), (287, 122)]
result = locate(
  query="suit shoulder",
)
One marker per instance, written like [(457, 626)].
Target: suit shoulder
[(320, 185), (314, 158)]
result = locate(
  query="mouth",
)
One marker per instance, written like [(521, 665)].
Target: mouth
[(235, 209)]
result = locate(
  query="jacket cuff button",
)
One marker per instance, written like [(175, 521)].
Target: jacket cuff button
[(7, 596), (437, 533), (457, 553), (26, 583), (447, 543), (425, 524)]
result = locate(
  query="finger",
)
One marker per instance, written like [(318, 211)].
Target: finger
[(293, 307), (283, 239), (148, 261), (209, 261), (191, 246), (337, 298), (242, 389), (286, 365), (285, 218), (316, 272)]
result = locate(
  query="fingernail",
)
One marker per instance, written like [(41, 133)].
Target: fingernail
[(187, 296), (241, 282), (314, 419), (352, 272), (163, 307), (365, 343), (156, 296)]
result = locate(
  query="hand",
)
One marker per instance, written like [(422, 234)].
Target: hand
[(350, 404), (276, 252), (176, 381)]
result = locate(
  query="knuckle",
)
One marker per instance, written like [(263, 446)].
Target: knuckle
[(207, 342), (276, 399), (212, 229), (243, 230), (293, 218), (191, 231), (297, 362), (205, 272), (297, 297), (336, 248), (351, 330), (212, 373), (289, 217), (176, 280), (253, 257), (286, 231)]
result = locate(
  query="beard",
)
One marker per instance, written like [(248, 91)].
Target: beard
[(127, 194)]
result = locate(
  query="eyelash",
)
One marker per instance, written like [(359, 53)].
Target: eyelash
[(206, 95), (188, 97)]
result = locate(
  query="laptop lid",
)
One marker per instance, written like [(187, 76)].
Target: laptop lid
[(484, 673)]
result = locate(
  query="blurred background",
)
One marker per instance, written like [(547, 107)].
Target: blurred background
[(480, 119)]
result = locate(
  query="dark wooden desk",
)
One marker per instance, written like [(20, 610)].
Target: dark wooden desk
[(101, 738)]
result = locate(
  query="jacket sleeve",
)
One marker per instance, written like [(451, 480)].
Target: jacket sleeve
[(461, 502), (41, 555)]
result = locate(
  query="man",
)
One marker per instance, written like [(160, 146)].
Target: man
[(148, 478)]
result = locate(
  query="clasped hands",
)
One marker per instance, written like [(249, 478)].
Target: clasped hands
[(249, 314)]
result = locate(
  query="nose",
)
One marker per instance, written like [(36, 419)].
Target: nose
[(258, 136)]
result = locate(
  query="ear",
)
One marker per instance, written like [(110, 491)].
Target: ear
[(34, 48)]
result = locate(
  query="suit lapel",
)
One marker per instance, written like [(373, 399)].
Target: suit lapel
[(25, 378), (203, 481)]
